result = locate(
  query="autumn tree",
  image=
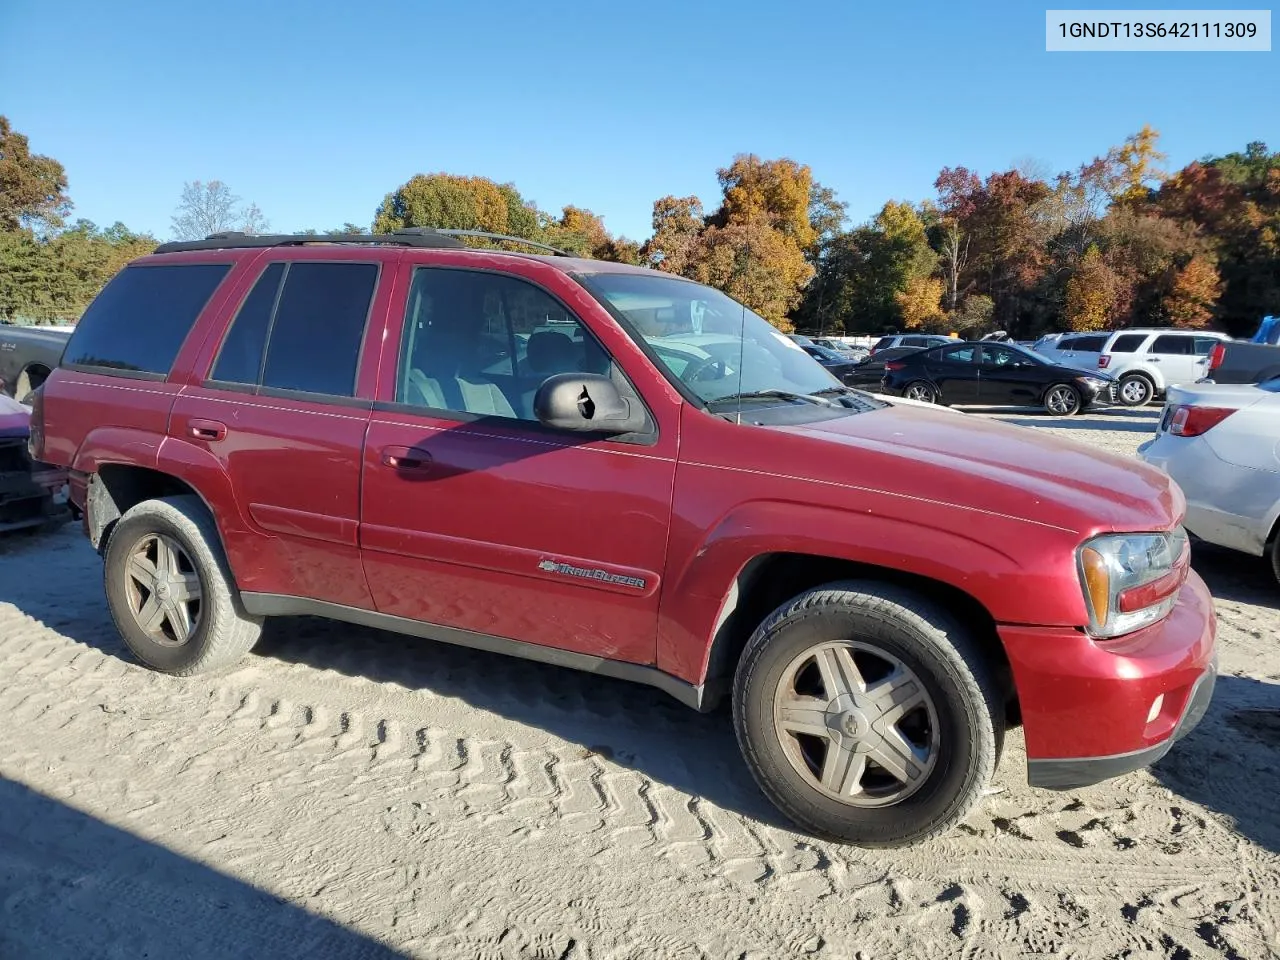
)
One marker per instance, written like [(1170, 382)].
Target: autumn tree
[(33, 188), (1091, 293), (1192, 295), (758, 266), (920, 302), (677, 228), (210, 207), (449, 202), (957, 189)]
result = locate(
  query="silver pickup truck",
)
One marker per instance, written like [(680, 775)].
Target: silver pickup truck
[(27, 355)]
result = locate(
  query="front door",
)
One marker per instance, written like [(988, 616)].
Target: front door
[(476, 517), (1177, 358), (1007, 377)]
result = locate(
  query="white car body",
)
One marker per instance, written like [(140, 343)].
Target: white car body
[(1079, 350), (1230, 473), (1148, 362)]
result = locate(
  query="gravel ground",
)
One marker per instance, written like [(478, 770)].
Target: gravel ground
[(352, 793)]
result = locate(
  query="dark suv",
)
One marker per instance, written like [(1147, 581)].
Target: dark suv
[(626, 472)]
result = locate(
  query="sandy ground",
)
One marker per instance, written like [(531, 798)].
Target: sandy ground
[(351, 793)]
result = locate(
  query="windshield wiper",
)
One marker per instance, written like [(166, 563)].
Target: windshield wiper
[(779, 394)]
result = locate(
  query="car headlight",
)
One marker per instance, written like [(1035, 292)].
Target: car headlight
[(1131, 580)]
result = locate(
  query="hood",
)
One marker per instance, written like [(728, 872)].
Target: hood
[(15, 418), (1002, 468)]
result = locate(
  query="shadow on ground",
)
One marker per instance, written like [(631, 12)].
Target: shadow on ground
[(72, 886), (1231, 762), (1235, 576)]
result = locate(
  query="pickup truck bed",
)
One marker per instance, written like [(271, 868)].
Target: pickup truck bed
[(27, 355), (1242, 361)]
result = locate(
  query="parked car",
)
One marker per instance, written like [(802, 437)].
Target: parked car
[(1080, 350), (27, 354), (1147, 362), (839, 346), (1247, 361), (869, 373), (800, 339), (1221, 443), (837, 364), (31, 494), (996, 374), (879, 589), (911, 340)]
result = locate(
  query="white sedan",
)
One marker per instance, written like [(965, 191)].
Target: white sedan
[(1221, 444)]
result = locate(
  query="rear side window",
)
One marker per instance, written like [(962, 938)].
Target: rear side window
[(1204, 345), (1090, 344), (883, 343), (240, 359), (1128, 343), (140, 320), (1172, 345), (958, 354), (309, 320)]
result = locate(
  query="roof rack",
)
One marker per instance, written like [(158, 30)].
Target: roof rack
[(406, 237)]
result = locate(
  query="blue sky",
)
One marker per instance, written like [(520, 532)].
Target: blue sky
[(315, 110)]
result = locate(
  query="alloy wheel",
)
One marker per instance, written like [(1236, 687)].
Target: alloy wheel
[(920, 391), (163, 590), (1134, 391), (1062, 401), (856, 724)]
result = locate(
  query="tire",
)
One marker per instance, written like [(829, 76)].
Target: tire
[(963, 725), (921, 390), (1275, 555), (219, 631), (28, 381), (1063, 400), (1135, 390)]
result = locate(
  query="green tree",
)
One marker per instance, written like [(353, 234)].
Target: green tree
[(33, 188)]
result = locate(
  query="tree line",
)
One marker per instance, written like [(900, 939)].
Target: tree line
[(1118, 242)]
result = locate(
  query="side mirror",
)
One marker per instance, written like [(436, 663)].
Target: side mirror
[(585, 403)]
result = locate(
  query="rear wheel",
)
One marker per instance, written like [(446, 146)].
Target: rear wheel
[(170, 591), (1063, 400), (921, 390), (1275, 555), (1136, 390), (867, 714)]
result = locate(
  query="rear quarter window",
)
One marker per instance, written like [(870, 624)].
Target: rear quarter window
[(1172, 345), (1090, 344), (137, 324)]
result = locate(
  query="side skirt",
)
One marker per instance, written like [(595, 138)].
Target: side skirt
[(279, 605)]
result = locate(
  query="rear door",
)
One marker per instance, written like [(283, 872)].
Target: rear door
[(284, 409), (955, 372), (478, 518)]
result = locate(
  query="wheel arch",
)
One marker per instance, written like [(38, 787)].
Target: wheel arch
[(33, 375), (114, 488), (769, 580)]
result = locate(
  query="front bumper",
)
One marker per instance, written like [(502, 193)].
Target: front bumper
[(1092, 710)]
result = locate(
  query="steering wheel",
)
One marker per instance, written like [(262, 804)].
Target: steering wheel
[(697, 372)]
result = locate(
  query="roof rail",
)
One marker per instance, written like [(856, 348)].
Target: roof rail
[(406, 237), (498, 236)]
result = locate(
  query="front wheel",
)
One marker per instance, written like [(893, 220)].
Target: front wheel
[(922, 391), (1063, 400), (867, 714), (1136, 390)]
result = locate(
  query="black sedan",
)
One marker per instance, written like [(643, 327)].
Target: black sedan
[(996, 375), (840, 366)]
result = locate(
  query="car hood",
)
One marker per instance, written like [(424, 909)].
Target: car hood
[(1001, 468), (15, 419)]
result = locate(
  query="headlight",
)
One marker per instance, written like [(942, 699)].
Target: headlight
[(1131, 580)]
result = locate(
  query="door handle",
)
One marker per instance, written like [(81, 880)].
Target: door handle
[(1154, 359), (211, 430), (406, 458)]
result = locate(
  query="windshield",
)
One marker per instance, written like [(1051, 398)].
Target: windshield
[(714, 345)]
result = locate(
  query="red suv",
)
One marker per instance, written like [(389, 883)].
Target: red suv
[(626, 472)]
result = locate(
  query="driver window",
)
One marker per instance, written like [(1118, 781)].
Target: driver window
[(482, 343), (999, 357)]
